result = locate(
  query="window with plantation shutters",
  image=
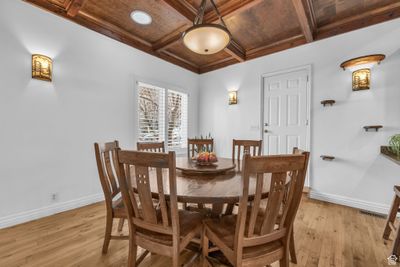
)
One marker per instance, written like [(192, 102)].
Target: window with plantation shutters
[(177, 119), (151, 113), (163, 116)]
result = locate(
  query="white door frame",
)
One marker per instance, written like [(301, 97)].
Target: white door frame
[(308, 69)]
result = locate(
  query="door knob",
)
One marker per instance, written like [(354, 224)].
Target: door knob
[(265, 131), (265, 124)]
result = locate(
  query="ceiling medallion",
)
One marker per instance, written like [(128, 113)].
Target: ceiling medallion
[(206, 38)]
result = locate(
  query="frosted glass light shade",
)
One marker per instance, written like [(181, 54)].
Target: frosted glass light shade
[(206, 39)]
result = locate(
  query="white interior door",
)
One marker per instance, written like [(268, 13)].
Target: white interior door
[(286, 109)]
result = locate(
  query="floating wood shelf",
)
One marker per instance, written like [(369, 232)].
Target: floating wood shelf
[(325, 157), (374, 127), (328, 102), (389, 154)]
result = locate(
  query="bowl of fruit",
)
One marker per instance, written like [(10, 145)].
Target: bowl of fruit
[(206, 158)]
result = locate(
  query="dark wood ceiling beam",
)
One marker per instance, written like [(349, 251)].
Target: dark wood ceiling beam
[(303, 19), (74, 7), (313, 18), (183, 7), (365, 19), (169, 39), (230, 8), (218, 64), (171, 57), (236, 51)]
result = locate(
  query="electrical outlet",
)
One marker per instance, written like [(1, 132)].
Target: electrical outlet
[(54, 197)]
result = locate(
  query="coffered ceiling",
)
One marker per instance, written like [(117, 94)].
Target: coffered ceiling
[(258, 27)]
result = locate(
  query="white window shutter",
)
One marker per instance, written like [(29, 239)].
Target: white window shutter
[(151, 113), (177, 120)]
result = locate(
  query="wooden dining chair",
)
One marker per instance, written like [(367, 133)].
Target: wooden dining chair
[(151, 146), (253, 237), (160, 229), (197, 145), (252, 147), (390, 222), (292, 246), (106, 163)]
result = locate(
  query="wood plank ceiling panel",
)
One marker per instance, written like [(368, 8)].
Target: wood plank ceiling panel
[(164, 18), (260, 24), (197, 3), (258, 27), (329, 11)]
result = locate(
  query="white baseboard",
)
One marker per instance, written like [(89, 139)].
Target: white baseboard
[(351, 202), (27, 216)]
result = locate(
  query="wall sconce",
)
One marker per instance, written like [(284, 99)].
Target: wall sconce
[(360, 67), (42, 67), (233, 97)]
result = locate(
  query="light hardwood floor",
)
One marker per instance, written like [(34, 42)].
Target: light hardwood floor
[(325, 234)]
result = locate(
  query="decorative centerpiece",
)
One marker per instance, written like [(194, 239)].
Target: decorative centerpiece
[(206, 158)]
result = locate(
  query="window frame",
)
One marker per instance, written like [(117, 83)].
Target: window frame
[(165, 87)]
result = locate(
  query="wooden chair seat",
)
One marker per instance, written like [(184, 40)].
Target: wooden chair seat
[(224, 228), (188, 222), (226, 224)]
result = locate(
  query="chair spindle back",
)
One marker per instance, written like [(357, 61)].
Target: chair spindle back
[(253, 229), (195, 146), (252, 147), (151, 146), (152, 172), (106, 166)]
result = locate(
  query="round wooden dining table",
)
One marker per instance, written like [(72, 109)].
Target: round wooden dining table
[(216, 189)]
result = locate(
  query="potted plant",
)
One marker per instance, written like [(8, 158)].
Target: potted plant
[(394, 144)]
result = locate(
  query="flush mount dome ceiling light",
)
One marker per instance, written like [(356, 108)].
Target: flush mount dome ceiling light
[(141, 17), (205, 38)]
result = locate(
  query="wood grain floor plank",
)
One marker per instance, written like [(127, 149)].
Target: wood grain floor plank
[(326, 235)]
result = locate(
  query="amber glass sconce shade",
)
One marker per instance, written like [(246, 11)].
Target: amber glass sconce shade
[(361, 79), (42, 67), (233, 98)]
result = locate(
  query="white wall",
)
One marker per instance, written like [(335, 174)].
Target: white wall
[(359, 176), (47, 130)]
